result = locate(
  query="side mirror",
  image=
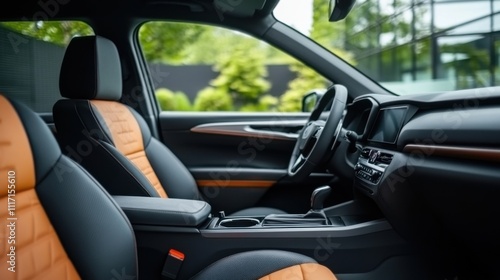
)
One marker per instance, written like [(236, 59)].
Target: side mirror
[(339, 9), (310, 100)]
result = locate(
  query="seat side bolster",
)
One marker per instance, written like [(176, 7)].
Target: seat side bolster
[(94, 231), (175, 178)]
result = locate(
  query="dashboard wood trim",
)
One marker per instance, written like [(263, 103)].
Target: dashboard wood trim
[(484, 154), (246, 129)]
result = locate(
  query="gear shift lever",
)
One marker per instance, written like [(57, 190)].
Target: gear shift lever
[(315, 216), (318, 196)]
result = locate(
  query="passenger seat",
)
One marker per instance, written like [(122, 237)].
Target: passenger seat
[(110, 139)]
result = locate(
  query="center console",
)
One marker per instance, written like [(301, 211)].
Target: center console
[(329, 235), (315, 218)]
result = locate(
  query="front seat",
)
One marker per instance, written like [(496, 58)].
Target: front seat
[(110, 139), (64, 225)]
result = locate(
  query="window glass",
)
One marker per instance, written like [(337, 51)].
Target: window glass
[(33, 52), (464, 61), (205, 68), (496, 5), (454, 14), (411, 46)]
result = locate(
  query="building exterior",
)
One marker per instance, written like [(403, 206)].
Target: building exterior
[(426, 45)]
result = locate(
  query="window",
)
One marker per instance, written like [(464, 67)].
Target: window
[(31, 53), (205, 68), (410, 46)]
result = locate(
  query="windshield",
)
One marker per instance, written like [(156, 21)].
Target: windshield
[(409, 46)]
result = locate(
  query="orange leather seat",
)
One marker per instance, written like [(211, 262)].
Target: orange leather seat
[(59, 223)]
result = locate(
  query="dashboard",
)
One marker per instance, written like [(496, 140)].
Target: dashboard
[(431, 163), (459, 125)]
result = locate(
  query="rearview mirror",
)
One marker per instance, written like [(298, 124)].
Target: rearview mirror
[(339, 9), (310, 100)]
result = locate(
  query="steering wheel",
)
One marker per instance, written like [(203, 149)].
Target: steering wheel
[(318, 137)]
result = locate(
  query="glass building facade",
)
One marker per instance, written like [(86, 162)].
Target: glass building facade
[(415, 46)]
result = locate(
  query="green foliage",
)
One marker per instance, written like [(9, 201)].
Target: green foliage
[(166, 41), (242, 74), (324, 32), (172, 101), (190, 43), (332, 37), (182, 102), (267, 103), (56, 32), (472, 71), (306, 80), (212, 99), (240, 60)]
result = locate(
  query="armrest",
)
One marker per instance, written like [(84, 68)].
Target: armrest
[(164, 212)]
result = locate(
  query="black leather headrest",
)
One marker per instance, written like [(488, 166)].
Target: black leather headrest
[(91, 70)]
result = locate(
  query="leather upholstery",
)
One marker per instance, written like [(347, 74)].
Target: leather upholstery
[(32, 231), (86, 139), (67, 226), (164, 212), (307, 271), (102, 132), (127, 138), (265, 264), (91, 70), (35, 236)]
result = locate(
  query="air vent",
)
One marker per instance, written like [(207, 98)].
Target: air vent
[(365, 153), (385, 158)]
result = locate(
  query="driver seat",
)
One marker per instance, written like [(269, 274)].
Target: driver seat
[(110, 139)]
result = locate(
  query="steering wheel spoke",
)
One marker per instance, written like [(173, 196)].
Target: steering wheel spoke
[(299, 162)]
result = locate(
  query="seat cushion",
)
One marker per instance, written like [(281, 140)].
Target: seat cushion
[(265, 264)]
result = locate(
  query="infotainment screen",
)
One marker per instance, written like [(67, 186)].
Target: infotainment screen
[(388, 124)]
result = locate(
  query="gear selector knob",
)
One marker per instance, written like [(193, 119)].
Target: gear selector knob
[(318, 197)]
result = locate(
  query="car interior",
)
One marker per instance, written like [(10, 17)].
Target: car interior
[(362, 183)]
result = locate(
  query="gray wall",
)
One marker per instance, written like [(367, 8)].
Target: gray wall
[(190, 79)]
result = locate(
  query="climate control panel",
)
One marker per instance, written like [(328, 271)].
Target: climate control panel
[(371, 165)]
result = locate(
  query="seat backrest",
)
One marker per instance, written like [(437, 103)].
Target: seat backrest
[(58, 222), (110, 139)]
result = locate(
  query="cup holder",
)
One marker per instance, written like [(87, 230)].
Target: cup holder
[(239, 222)]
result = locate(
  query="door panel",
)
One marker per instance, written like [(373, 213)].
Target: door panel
[(240, 160), (231, 139)]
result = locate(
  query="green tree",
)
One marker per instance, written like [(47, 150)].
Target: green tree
[(473, 69), (329, 35), (307, 79), (172, 101), (242, 74), (266, 103), (212, 99), (165, 41), (56, 32)]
